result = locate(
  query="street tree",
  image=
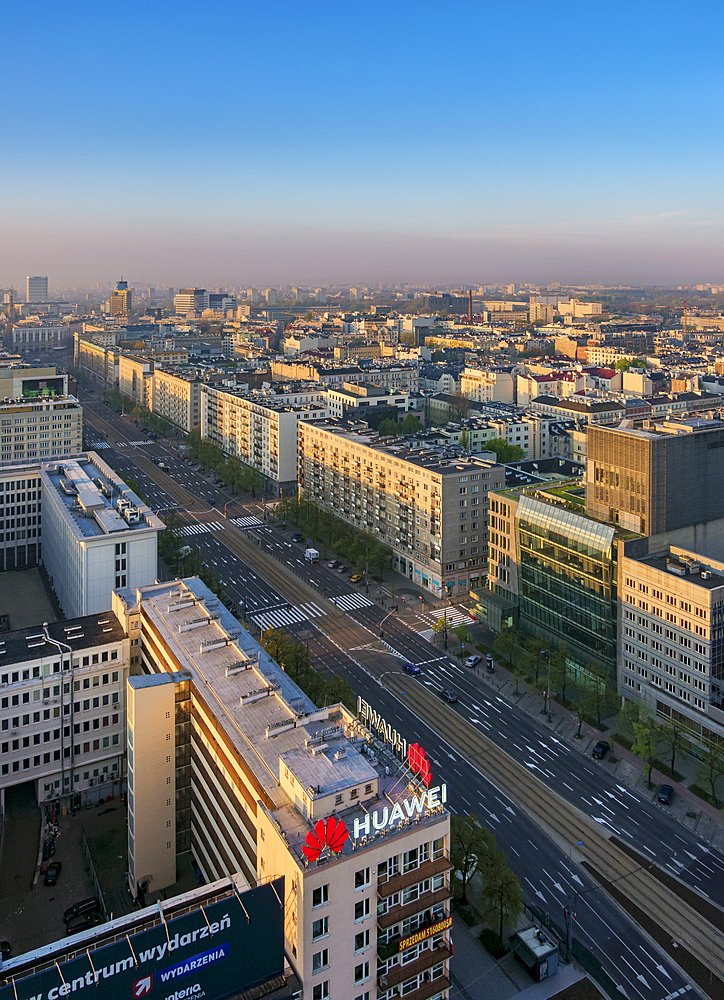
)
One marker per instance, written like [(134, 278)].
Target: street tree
[(712, 766), (675, 738), (502, 891), (537, 650), (470, 845), (505, 644), (646, 733)]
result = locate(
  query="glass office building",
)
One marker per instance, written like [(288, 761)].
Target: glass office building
[(567, 577)]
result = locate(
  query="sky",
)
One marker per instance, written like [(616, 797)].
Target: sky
[(238, 143)]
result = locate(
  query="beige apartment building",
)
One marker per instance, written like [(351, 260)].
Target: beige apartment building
[(260, 428), (96, 360), (487, 386), (175, 395), (40, 427), (134, 378), (228, 758), (62, 709), (432, 511), (672, 610)]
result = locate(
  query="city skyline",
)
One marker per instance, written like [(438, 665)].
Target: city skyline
[(266, 148)]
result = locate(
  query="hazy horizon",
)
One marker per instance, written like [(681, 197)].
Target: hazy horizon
[(267, 146)]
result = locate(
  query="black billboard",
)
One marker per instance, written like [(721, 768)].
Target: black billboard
[(213, 952)]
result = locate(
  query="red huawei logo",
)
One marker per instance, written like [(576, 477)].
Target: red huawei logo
[(331, 833), (419, 764)]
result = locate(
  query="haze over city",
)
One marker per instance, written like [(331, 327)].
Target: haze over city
[(263, 144)]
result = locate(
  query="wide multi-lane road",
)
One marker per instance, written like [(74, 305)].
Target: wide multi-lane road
[(536, 793)]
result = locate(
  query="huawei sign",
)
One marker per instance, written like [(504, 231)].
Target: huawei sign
[(419, 764), (330, 833)]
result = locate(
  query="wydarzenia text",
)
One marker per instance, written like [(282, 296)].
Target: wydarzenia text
[(374, 721)]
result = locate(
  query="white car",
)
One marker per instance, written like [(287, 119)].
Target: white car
[(472, 661)]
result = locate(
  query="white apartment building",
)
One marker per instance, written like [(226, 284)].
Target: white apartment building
[(487, 386), (40, 427), (260, 428), (432, 511), (670, 625), (175, 395), (394, 377), (228, 758), (62, 709), (97, 534)]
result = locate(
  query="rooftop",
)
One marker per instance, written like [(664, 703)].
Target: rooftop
[(27, 644), (698, 570)]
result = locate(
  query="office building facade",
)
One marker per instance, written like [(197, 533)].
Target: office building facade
[(62, 709), (36, 288)]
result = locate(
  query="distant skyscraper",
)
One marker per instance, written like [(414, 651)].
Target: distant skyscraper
[(37, 289), (121, 299)]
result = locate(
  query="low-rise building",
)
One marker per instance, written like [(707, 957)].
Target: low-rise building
[(62, 709), (431, 510)]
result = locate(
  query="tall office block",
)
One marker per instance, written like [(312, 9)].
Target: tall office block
[(37, 288)]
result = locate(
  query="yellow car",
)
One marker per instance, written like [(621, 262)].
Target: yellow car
[(357, 578)]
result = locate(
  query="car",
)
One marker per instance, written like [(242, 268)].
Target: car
[(212, 502), (666, 793), (342, 568), (89, 905), (357, 578), (218, 482), (48, 848), (333, 564), (52, 873), (472, 661), (411, 668), (82, 922), (449, 696), (297, 536), (600, 750)]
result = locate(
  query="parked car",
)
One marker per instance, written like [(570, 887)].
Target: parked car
[(297, 536), (89, 905), (600, 750), (472, 661), (666, 793), (52, 873), (218, 482), (411, 668), (342, 569), (83, 922), (357, 578), (449, 696), (333, 564)]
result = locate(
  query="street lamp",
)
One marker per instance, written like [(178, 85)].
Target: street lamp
[(548, 694)]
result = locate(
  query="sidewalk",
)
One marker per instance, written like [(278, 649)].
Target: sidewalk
[(705, 820)]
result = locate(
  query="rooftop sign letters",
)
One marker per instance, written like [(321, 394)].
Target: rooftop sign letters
[(416, 805), (374, 721)]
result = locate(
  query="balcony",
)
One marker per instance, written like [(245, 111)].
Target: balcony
[(428, 989), (423, 902), (401, 973), (426, 870)]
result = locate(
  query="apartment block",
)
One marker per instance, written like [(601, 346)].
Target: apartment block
[(663, 476), (430, 510), (97, 361), (62, 709), (670, 641), (260, 428), (134, 378), (175, 395), (487, 386), (39, 427), (228, 758)]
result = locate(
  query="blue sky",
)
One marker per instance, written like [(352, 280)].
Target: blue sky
[(240, 143)]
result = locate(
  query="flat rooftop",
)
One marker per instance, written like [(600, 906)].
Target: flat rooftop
[(25, 644), (88, 491), (688, 566)]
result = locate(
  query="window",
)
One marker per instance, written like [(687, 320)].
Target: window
[(362, 909), (320, 961), (361, 972), (361, 878), (320, 895), (361, 941), (321, 991), (320, 928)]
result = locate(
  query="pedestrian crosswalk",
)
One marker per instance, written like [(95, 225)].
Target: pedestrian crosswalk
[(198, 529), (98, 445), (246, 522), (287, 615), (133, 444), (350, 602), (454, 616)]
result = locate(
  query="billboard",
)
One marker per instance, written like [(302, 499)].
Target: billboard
[(213, 952)]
